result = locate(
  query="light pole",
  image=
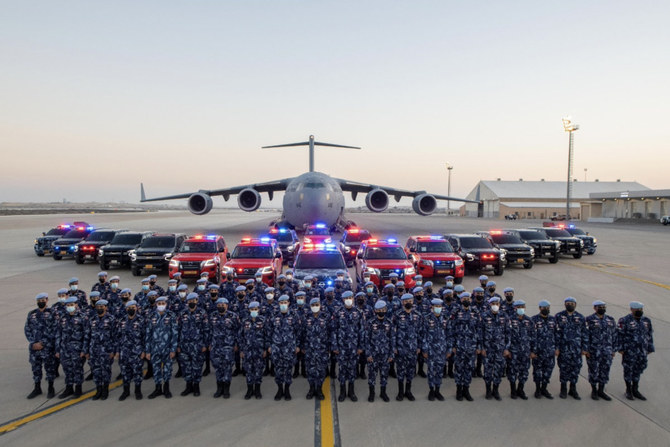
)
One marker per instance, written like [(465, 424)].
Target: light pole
[(449, 168), (585, 169), (569, 127)]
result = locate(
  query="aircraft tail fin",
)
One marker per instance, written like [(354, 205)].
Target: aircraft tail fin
[(311, 143)]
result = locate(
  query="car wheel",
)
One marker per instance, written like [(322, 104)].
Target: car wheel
[(591, 252), (528, 264), (577, 255), (136, 271), (57, 257), (458, 280), (498, 271), (78, 259), (104, 265), (40, 254), (553, 259)]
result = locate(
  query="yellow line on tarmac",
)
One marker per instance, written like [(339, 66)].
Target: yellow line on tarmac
[(51, 410), (327, 434), (621, 275)]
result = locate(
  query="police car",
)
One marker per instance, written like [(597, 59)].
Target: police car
[(117, 252), (570, 245), (321, 261), (65, 245), (288, 242), (200, 253), (590, 242), (155, 252), (317, 234), (434, 256), (43, 243), (517, 252), (478, 253), (544, 247), (87, 250), (254, 254), (351, 242), (381, 258)]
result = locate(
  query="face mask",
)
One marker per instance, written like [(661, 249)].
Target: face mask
[(381, 315), (258, 279), (479, 297), (495, 308), (492, 290), (408, 306), (152, 299), (281, 283), (369, 289), (340, 278), (447, 300), (419, 283), (101, 280), (125, 298), (570, 307), (330, 296), (401, 290), (70, 309), (145, 287), (182, 295), (360, 301), (394, 281), (153, 283), (338, 285), (253, 313), (418, 297), (348, 302), (520, 311), (450, 284), (100, 311), (308, 285), (637, 313), (192, 305), (544, 312), (229, 277), (61, 299), (201, 287), (437, 310), (114, 285), (161, 307), (300, 302), (130, 312), (240, 296), (465, 303), (74, 287), (250, 287), (269, 297), (316, 309), (214, 295), (172, 288), (42, 304), (283, 307), (389, 293), (601, 311), (509, 298), (222, 310), (289, 277), (93, 303), (429, 290)]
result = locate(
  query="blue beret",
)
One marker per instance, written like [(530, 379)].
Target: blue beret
[(73, 280), (445, 291), (41, 296), (464, 295), (308, 278), (519, 303), (347, 294), (427, 283), (72, 299), (478, 290), (369, 283), (94, 294), (152, 277), (62, 292), (483, 278), (417, 289), (314, 301), (389, 286), (282, 276), (258, 273), (289, 271), (380, 304), (570, 300), (145, 280), (269, 289), (201, 281), (205, 274), (301, 293), (329, 289), (459, 288), (436, 302), (400, 284), (360, 294), (544, 303), (126, 290), (101, 303), (418, 277), (131, 303), (599, 303), (283, 298), (182, 287), (213, 286), (254, 305), (636, 305), (407, 296), (172, 281), (508, 289), (102, 274), (339, 272), (491, 284), (240, 289), (161, 299), (494, 299), (448, 278), (222, 300), (393, 275), (152, 293), (177, 275), (250, 281), (114, 278), (192, 296)]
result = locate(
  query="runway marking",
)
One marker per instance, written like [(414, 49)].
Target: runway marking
[(620, 275), (23, 420), (326, 422)]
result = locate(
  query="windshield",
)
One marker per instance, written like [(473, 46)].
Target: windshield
[(556, 232), (358, 237), (75, 234), (57, 232), (532, 235), (434, 247), (506, 239), (252, 252), (317, 231), (282, 237), (475, 242), (330, 261), (574, 231), (158, 242), (126, 239), (385, 253), (198, 247), (98, 236)]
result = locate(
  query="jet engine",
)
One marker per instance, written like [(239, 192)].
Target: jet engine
[(377, 200), (200, 203), (424, 204), (249, 199)]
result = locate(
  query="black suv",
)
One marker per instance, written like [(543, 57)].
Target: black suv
[(351, 243), (322, 264), (478, 253), (516, 250), (43, 243), (87, 250), (590, 243), (155, 252), (570, 245), (544, 247), (287, 241), (117, 252), (66, 245)]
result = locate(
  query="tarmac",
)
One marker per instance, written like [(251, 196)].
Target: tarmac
[(630, 264)]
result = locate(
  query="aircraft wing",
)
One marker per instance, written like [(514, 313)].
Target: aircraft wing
[(269, 187), (356, 187)]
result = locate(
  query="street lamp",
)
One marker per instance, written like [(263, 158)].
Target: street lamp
[(569, 127), (449, 168)]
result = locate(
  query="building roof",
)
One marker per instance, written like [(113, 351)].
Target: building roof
[(555, 190), (539, 204), (647, 193)]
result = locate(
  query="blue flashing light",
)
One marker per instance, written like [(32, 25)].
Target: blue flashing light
[(392, 241), (436, 238), (571, 226), (57, 248), (283, 230), (71, 247), (397, 270), (89, 228), (329, 282), (211, 237), (265, 240), (320, 225)]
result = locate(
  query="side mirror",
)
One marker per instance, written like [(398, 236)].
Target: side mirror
[(278, 255), (43, 233), (291, 264), (228, 256), (587, 233), (412, 250)]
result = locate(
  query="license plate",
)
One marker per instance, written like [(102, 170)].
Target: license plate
[(114, 262), (89, 256), (63, 252), (190, 272), (148, 266), (442, 272), (573, 249), (547, 253), (520, 261), (488, 266)]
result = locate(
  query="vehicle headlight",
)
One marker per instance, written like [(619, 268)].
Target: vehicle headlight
[(409, 271), (228, 269), (267, 270), (595, 240), (101, 252), (458, 262), (208, 263), (347, 249), (75, 248), (558, 244), (427, 262), (133, 255), (174, 263), (532, 251), (581, 243), (291, 247), (470, 257), (503, 253), (167, 256), (373, 271), (35, 241)]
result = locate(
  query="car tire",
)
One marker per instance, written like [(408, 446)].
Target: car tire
[(528, 264), (577, 255), (591, 252), (40, 254), (78, 259), (458, 280), (553, 259), (498, 271), (104, 265), (57, 257), (136, 271)]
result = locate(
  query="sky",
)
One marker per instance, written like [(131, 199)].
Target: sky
[(96, 97)]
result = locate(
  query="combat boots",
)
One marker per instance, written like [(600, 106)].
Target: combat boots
[(343, 393), (219, 389), (188, 390), (383, 395), (207, 369), (250, 392), (126, 392), (466, 393), (296, 370), (287, 392), (520, 393), (408, 392), (36, 391), (488, 391), (371, 395), (512, 387), (257, 391), (280, 392), (401, 391), (352, 394), (636, 392), (156, 392), (310, 393), (105, 391), (538, 390), (431, 394), (573, 392), (196, 389), (319, 393), (594, 391), (166, 390), (98, 393), (226, 390), (603, 395), (421, 372), (66, 392), (545, 392), (77, 391), (564, 391), (438, 395), (459, 393), (138, 392), (495, 393), (51, 392)]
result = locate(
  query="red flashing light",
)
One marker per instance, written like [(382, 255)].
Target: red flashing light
[(240, 270), (274, 231), (561, 226), (198, 236), (246, 239), (80, 228), (353, 252), (354, 231), (372, 241), (495, 232)]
